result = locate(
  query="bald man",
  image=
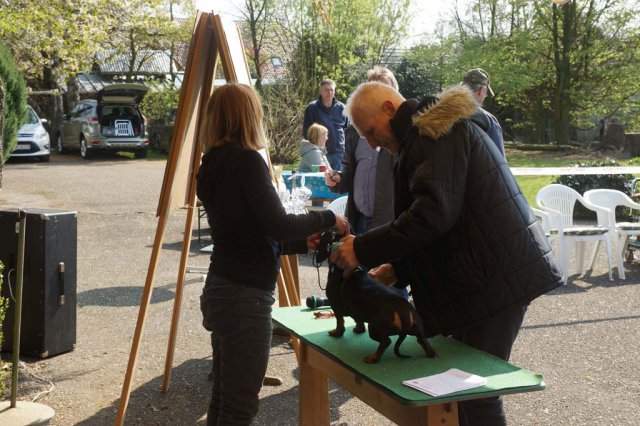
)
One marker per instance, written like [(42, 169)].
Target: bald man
[(463, 235)]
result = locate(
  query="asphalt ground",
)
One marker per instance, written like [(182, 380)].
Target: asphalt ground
[(583, 338)]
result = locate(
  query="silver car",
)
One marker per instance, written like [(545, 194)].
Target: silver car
[(113, 122), (33, 138)]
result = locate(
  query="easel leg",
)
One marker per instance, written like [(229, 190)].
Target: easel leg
[(142, 315), (283, 293), (177, 302), (294, 295), (284, 299)]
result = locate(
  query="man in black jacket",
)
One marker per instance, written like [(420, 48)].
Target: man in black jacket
[(464, 236)]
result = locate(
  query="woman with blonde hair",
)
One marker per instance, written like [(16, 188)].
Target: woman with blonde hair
[(248, 227), (312, 150)]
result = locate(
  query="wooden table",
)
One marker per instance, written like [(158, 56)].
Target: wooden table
[(380, 385)]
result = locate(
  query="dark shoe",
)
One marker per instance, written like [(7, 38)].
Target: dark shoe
[(271, 381)]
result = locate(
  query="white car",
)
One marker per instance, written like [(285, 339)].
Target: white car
[(33, 138)]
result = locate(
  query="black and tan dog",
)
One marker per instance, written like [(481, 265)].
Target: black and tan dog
[(367, 301)]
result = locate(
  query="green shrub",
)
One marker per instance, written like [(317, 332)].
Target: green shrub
[(583, 183), (159, 102), (3, 305), (15, 101)]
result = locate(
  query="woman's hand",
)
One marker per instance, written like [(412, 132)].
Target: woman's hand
[(384, 274), (342, 225), (313, 241)]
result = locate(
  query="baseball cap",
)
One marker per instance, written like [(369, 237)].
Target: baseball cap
[(477, 76)]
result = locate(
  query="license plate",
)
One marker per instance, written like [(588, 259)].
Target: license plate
[(23, 147)]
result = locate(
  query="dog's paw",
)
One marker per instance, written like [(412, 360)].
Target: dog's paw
[(371, 359), (359, 328), (336, 333)]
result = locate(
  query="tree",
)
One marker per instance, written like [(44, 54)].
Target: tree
[(146, 26), (424, 70), (53, 40), (337, 39), (258, 17), (554, 68), (56, 39), (13, 104)]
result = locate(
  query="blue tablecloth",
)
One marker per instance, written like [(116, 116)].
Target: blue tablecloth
[(313, 181)]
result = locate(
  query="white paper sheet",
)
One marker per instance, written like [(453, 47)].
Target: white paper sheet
[(450, 381)]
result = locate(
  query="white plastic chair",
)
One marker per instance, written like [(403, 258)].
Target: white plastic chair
[(543, 217), (610, 199), (558, 201), (339, 205)]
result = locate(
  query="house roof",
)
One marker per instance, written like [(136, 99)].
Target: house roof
[(147, 62), (90, 83)]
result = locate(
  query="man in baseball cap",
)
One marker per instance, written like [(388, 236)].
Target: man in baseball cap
[(477, 80), (477, 77)]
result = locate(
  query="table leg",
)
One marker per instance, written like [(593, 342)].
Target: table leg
[(314, 403), (313, 393)]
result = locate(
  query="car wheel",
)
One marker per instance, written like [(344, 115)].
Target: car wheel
[(84, 150), (44, 159), (142, 153), (60, 145)]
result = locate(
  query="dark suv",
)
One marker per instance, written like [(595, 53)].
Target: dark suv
[(113, 122)]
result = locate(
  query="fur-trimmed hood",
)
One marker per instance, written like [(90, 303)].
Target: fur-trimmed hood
[(437, 115)]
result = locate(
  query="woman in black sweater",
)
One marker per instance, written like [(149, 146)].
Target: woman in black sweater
[(248, 225)]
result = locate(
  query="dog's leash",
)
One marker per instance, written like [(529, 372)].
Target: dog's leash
[(317, 265)]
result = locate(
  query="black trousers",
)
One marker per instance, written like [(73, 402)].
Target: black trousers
[(239, 318), (494, 336)]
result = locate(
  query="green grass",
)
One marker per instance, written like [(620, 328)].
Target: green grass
[(530, 185)]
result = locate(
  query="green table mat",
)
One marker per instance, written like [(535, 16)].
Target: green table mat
[(391, 371)]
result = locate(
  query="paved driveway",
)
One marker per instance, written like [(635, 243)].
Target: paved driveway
[(583, 338)]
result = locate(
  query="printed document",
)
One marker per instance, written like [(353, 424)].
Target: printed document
[(450, 381)]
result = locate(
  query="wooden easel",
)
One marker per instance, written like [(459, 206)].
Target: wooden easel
[(211, 37)]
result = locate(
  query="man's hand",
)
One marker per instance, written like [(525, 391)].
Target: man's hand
[(331, 178), (342, 225), (345, 256), (384, 274)]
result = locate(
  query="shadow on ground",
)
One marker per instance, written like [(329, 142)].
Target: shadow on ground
[(187, 400), (123, 296)]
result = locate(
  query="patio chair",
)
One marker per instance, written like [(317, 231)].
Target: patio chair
[(543, 218), (339, 205), (610, 199), (558, 201)]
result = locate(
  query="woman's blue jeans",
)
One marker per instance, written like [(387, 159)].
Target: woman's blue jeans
[(239, 318)]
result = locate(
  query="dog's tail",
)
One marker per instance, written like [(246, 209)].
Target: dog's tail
[(396, 347)]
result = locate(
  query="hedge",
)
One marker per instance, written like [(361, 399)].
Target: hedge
[(15, 101)]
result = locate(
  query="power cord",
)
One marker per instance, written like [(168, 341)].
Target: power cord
[(28, 371), (9, 284)]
